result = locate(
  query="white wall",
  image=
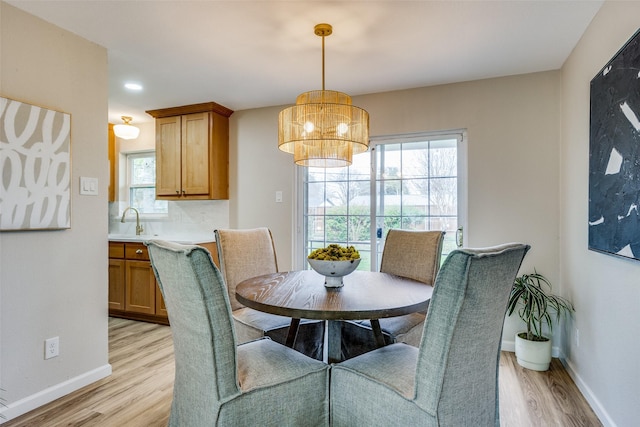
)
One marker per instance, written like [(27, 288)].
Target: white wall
[(54, 283), (605, 289), (513, 130)]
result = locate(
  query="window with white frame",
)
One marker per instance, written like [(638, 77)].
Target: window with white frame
[(413, 182), (141, 182)]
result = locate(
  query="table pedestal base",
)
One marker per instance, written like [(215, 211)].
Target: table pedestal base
[(332, 349)]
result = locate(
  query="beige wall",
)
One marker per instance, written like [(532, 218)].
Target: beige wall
[(54, 283), (605, 289), (257, 169), (513, 129)]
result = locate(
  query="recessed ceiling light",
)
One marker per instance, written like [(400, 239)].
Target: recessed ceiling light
[(133, 86)]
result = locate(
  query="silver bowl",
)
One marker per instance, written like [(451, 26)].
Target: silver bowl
[(333, 271)]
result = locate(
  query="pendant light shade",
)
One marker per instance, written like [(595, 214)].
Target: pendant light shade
[(126, 130), (324, 128)]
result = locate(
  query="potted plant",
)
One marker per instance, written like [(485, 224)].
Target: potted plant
[(536, 307)]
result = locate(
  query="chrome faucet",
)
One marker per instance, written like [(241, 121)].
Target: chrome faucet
[(139, 228)]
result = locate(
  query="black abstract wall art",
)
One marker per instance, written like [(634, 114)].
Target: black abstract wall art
[(614, 155)]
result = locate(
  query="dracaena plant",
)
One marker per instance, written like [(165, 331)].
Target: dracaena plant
[(536, 306)]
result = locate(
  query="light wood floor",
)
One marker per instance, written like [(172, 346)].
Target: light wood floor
[(138, 393)]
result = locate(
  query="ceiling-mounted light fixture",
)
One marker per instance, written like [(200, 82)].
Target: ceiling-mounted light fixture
[(133, 86), (127, 130), (323, 129)]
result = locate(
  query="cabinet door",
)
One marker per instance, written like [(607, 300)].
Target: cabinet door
[(141, 287), (168, 173), (195, 154), (161, 308), (116, 284)]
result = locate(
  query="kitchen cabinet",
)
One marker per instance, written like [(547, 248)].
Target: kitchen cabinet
[(111, 196), (116, 276), (192, 152), (116, 284), (132, 285), (133, 290)]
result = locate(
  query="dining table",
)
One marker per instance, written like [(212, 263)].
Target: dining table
[(365, 295)]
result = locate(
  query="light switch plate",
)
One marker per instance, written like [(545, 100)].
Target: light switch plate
[(88, 186)]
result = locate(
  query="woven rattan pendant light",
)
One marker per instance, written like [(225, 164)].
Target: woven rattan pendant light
[(323, 129)]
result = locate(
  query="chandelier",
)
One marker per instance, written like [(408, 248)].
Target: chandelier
[(323, 129)]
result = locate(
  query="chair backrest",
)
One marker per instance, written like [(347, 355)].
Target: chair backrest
[(243, 254), (413, 254), (457, 373), (201, 325)]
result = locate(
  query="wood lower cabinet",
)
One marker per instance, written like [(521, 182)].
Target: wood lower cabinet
[(133, 290), (140, 289), (116, 284)]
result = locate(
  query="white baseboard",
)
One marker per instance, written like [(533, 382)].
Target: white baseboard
[(50, 394), (595, 404), (508, 346)]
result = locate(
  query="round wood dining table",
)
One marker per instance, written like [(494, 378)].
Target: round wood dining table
[(365, 295)]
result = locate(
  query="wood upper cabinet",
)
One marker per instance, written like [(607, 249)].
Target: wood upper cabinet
[(168, 155), (192, 152)]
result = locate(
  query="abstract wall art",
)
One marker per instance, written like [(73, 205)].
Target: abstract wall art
[(614, 155), (35, 165)]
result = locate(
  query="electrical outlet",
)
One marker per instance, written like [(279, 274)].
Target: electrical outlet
[(577, 337), (51, 347)]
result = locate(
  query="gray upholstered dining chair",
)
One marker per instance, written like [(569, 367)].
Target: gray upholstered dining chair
[(216, 382), (412, 254), (246, 253), (452, 378)]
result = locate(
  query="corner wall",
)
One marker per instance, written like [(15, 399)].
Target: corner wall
[(605, 289), (54, 283)]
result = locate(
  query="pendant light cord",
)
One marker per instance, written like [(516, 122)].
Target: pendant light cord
[(323, 62)]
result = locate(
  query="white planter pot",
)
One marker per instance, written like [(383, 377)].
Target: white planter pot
[(535, 355)]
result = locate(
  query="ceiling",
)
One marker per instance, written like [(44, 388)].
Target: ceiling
[(248, 54)]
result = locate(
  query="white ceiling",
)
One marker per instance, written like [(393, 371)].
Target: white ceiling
[(247, 54)]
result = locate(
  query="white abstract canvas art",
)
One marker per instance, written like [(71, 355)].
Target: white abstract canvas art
[(35, 164)]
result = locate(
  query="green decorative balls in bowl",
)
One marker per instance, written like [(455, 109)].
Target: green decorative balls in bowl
[(334, 262)]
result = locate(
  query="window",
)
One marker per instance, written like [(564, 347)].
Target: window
[(411, 182), (141, 180)]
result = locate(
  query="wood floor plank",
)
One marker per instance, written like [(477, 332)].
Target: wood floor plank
[(139, 391)]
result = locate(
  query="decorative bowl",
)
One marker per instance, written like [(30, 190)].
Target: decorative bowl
[(334, 271)]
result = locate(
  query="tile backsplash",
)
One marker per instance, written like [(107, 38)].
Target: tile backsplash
[(193, 216)]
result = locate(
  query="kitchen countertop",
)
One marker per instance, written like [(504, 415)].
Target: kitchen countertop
[(184, 238)]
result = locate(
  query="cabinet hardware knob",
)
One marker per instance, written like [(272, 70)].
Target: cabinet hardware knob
[(138, 251), (177, 191)]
